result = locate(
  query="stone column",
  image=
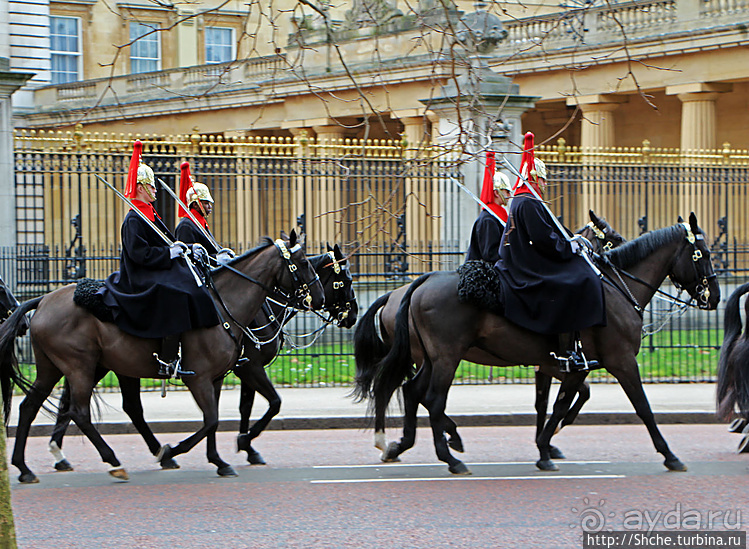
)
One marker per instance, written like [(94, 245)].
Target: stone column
[(9, 82), (598, 134), (698, 121), (470, 109), (326, 198)]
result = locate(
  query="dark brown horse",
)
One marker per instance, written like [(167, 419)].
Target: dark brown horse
[(447, 329), (70, 341), (733, 368), (372, 342), (340, 304)]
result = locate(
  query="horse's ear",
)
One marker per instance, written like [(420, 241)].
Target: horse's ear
[(693, 223), (329, 248), (292, 237), (680, 219), (594, 218), (337, 252), (284, 236)]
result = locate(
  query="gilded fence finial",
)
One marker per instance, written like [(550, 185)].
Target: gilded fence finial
[(726, 152)]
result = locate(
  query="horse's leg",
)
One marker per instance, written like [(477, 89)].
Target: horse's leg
[(583, 395), (63, 421), (133, 407), (80, 411), (47, 376), (630, 381), (204, 394), (224, 469), (543, 389), (567, 392), (256, 379), (435, 400), (413, 391)]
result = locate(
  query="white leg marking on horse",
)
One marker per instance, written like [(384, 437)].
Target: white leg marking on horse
[(380, 441), (56, 451)]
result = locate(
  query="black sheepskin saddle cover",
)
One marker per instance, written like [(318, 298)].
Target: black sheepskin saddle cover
[(85, 296), (479, 285)]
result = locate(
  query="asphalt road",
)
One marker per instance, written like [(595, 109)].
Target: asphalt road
[(329, 489)]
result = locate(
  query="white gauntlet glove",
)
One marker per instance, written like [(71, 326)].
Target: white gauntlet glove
[(177, 249), (225, 255), (199, 253)]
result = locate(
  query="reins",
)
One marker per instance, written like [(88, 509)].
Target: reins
[(701, 289)]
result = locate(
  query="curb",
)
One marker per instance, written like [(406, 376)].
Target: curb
[(473, 420)]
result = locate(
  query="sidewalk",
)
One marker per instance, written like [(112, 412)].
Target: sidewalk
[(331, 408)]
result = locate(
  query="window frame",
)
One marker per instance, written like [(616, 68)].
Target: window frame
[(156, 27), (77, 54), (232, 43)]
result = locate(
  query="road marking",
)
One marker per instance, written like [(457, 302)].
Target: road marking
[(439, 464), (438, 479)]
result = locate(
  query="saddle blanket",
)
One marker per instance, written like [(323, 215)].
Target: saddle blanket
[(85, 296), (479, 285)]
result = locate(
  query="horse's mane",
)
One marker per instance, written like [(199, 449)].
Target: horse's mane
[(265, 242), (632, 252)]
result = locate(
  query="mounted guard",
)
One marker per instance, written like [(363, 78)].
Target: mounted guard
[(548, 286), (489, 226), (156, 293)]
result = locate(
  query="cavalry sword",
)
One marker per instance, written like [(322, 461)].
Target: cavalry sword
[(558, 223), (151, 224), (478, 200), (206, 234)]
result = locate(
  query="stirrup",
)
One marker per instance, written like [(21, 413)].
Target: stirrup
[(172, 369)]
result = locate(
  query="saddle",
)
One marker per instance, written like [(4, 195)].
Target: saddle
[(479, 285), (86, 296)]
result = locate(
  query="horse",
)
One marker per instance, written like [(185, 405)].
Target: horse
[(340, 303), (733, 368), (372, 343), (446, 329), (68, 340)]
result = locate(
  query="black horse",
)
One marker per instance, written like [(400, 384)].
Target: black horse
[(733, 368), (446, 329), (340, 303), (70, 341), (373, 337)]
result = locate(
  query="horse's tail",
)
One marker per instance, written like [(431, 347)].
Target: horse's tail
[(369, 349), (397, 365), (733, 383), (13, 327)]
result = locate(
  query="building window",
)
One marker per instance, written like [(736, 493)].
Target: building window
[(219, 45), (145, 51), (64, 45)]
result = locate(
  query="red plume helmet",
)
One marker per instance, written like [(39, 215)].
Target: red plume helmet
[(185, 183), (487, 190), (527, 165), (132, 174)]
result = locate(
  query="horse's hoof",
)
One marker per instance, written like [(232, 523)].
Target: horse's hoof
[(243, 443), (168, 464), (391, 454), (226, 471), (459, 468), (737, 425), (556, 453), (119, 473), (28, 478), (675, 465), (744, 445), (165, 452), (456, 444), (254, 457), (546, 465), (63, 466)]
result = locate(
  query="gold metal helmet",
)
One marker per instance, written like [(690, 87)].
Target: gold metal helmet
[(145, 175), (539, 169), (198, 191), (502, 182)]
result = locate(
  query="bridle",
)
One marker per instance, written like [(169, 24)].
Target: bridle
[(302, 295), (340, 307), (602, 235), (701, 286)]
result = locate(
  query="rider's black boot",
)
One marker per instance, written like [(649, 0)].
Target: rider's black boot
[(169, 359)]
